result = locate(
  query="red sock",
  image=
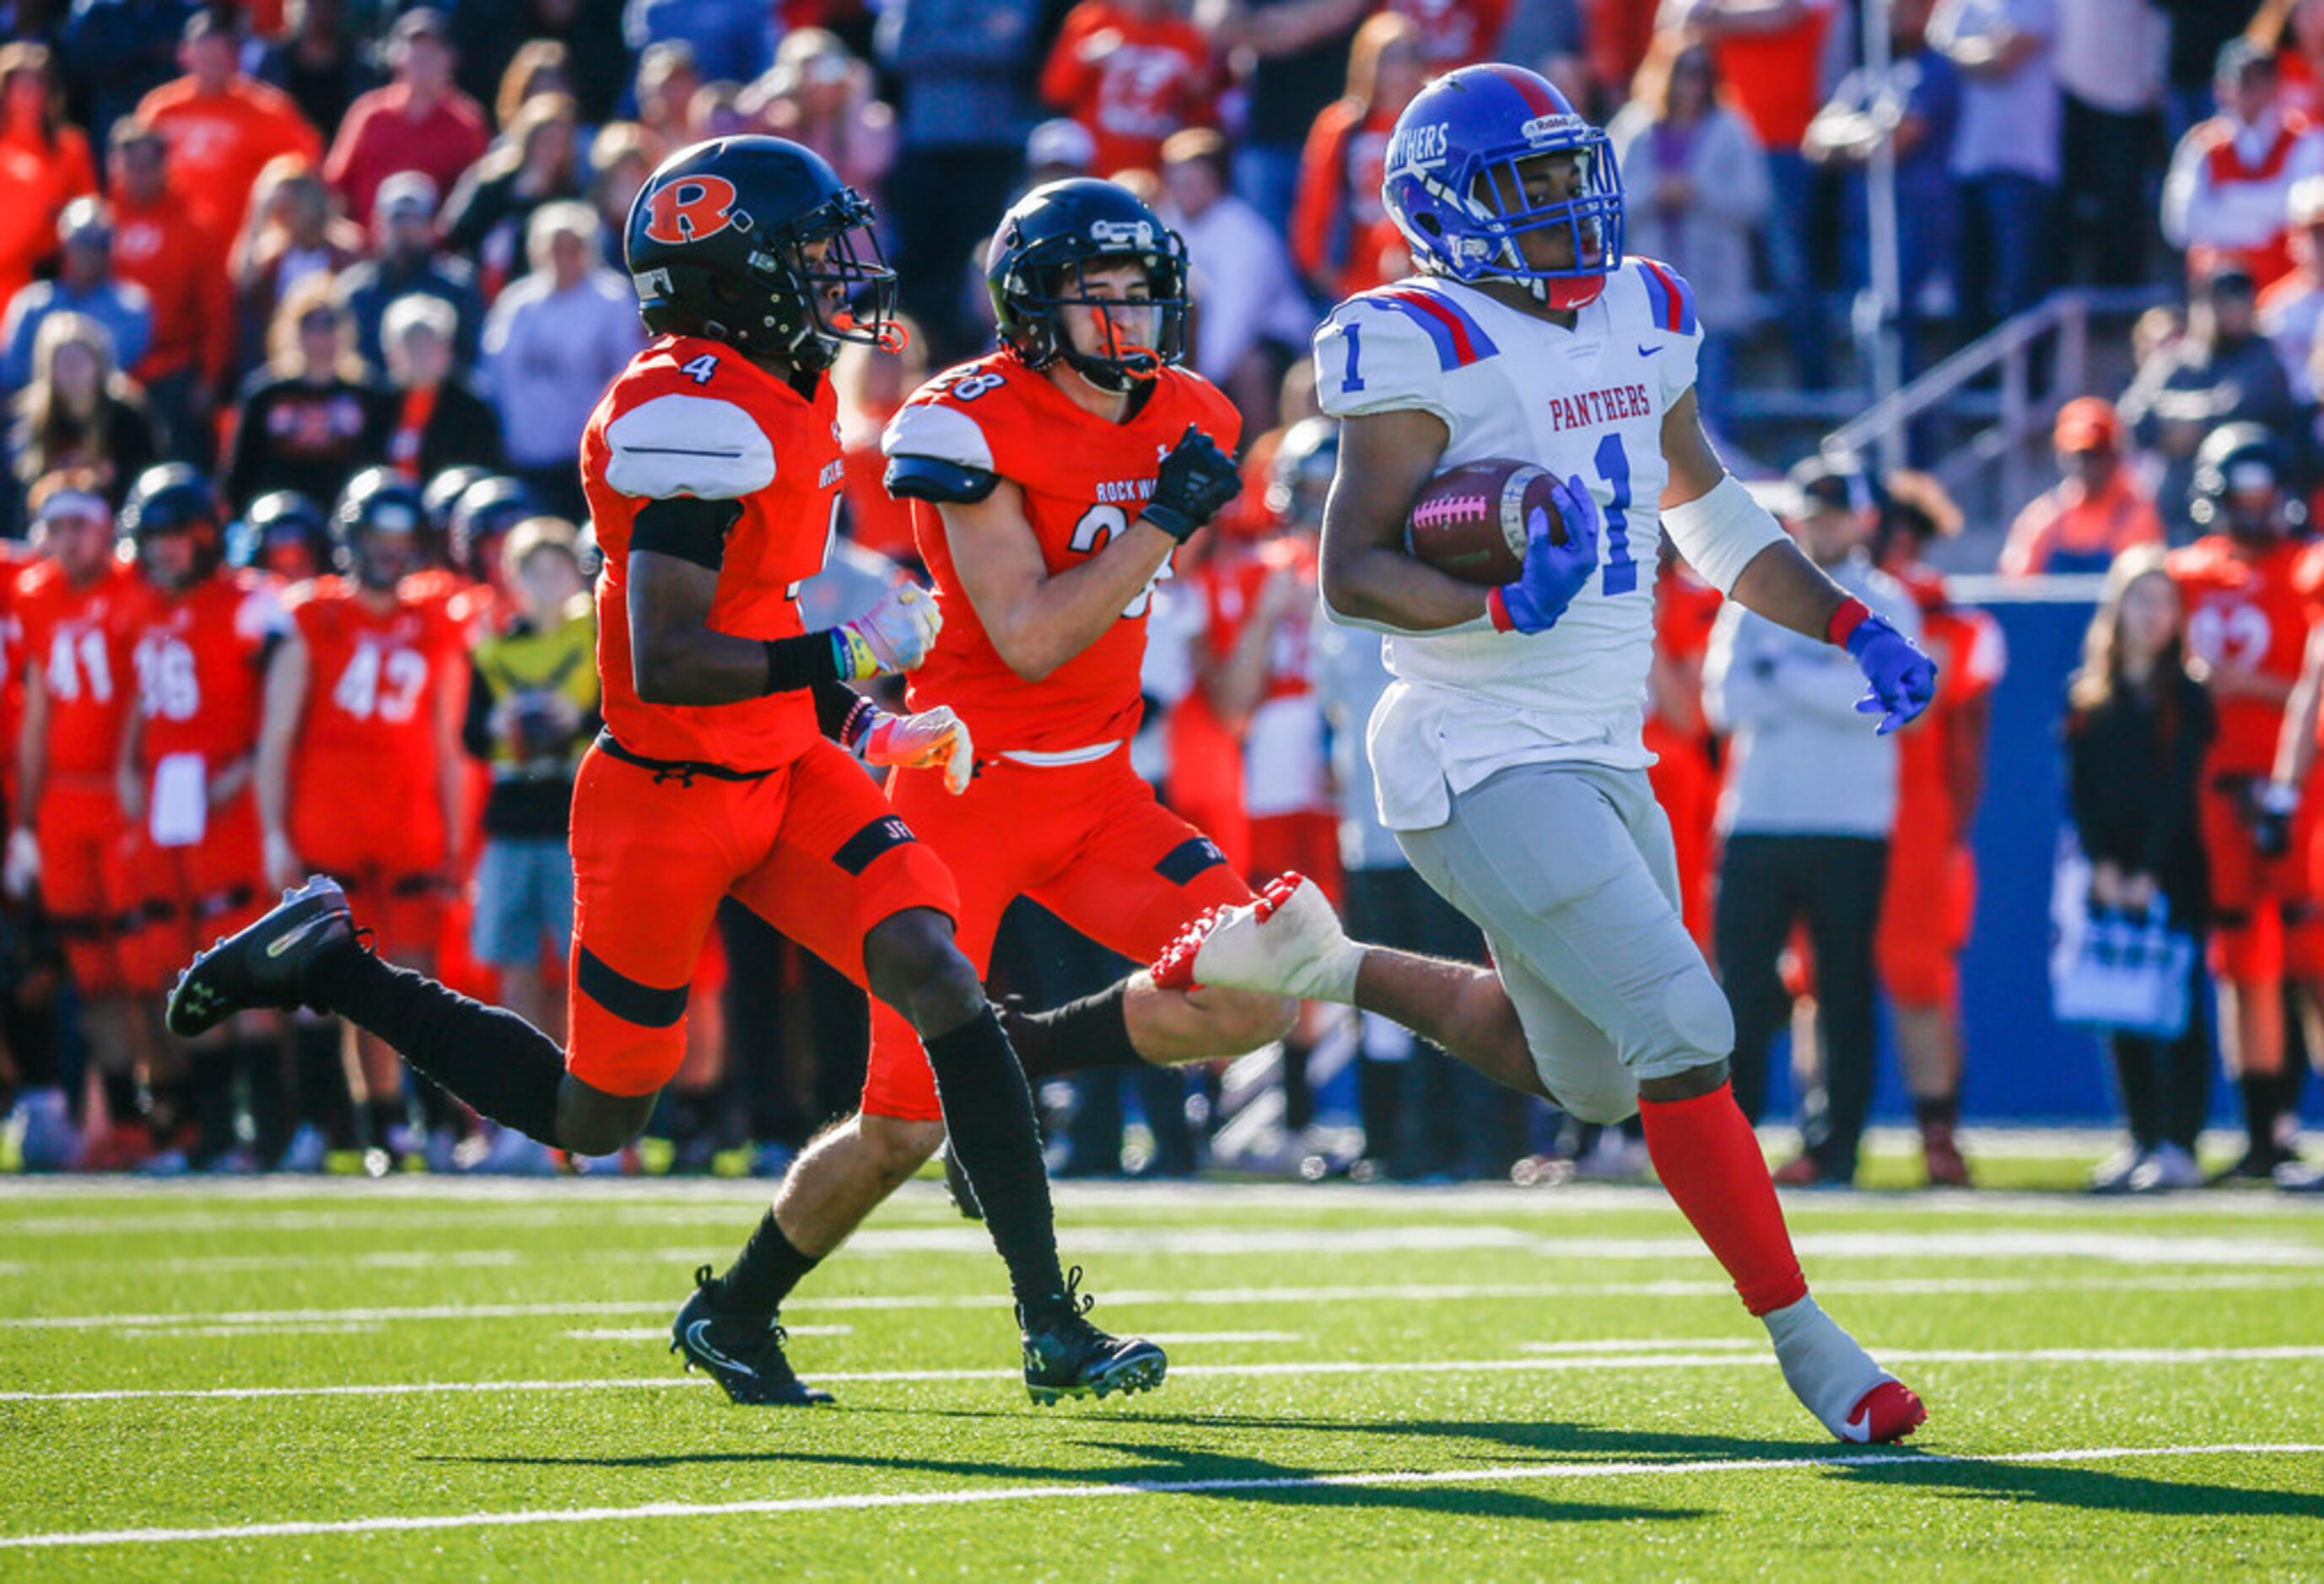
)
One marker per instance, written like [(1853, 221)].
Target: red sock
[(1708, 1159)]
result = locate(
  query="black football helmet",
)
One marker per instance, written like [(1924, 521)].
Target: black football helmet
[(717, 244), (484, 512), (282, 533), (2241, 484), (1048, 241), (443, 493), (168, 499), (379, 526), (1299, 480)]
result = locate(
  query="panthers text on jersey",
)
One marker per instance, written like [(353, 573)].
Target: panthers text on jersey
[(1084, 480), (696, 417), (1587, 402)]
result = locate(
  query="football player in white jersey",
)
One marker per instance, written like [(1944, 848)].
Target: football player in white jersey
[(1507, 752)]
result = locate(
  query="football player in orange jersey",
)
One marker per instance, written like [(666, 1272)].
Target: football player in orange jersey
[(210, 640), (1931, 897), (712, 466), (2248, 622), (359, 764), (73, 610)]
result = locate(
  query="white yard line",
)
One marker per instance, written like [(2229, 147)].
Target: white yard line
[(1512, 1474), (319, 1328), (1635, 1361), (661, 1334), (1408, 1292)]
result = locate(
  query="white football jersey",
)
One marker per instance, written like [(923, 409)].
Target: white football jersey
[(1587, 402)]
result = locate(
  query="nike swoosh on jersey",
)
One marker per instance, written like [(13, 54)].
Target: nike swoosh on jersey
[(1648, 351)]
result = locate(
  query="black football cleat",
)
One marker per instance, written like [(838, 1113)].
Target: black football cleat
[(265, 964), (961, 1190), (1067, 1357), (743, 1355)]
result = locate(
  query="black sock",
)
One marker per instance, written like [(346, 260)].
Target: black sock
[(1379, 1107), (121, 1098), (2142, 1094), (1939, 1114), (386, 1118), (2259, 1092), (989, 1111), (324, 1101), (261, 1064), (501, 1065), (763, 1275), (1298, 1095), (2187, 1084), (2292, 1080), (1092, 1032), (210, 1077)]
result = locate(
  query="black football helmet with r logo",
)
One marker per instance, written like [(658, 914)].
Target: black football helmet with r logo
[(755, 241), (1049, 242)]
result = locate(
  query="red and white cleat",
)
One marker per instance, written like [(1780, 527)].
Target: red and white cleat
[(1285, 942), (1837, 1380)]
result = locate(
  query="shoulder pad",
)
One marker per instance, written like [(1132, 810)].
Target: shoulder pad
[(932, 478), (1670, 300), (938, 430), (1380, 351), (694, 446)]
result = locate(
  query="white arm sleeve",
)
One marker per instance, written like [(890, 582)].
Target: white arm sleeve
[(1721, 532), (688, 446)]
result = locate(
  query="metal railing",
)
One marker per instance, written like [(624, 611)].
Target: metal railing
[(2048, 344)]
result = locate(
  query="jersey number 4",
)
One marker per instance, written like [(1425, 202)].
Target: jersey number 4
[(1613, 465)]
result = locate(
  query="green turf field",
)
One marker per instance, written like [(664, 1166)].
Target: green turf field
[(466, 1380)]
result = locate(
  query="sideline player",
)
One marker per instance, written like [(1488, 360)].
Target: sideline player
[(1051, 481), (1507, 751), (73, 608), (210, 640), (2247, 621), (712, 468), (359, 766)]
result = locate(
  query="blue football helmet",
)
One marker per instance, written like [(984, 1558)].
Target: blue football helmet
[(1453, 183)]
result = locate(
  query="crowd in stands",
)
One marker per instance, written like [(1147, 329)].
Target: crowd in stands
[(355, 269)]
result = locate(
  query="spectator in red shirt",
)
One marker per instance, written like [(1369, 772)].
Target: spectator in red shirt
[(222, 128), (1133, 72), (158, 245), (44, 163), (1455, 32), (1336, 225), (418, 122)]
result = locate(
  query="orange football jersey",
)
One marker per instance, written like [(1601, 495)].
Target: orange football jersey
[(2246, 611), (372, 681), (78, 639), (695, 418), (1083, 480), (200, 659), (1966, 646)]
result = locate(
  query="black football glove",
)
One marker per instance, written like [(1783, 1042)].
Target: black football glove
[(1194, 481)]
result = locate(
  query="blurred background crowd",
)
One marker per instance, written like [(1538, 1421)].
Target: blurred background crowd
[(353, 270)]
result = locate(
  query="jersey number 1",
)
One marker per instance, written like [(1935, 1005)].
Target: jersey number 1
[(1613, 465)]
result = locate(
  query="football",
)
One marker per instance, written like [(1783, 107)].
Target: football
[(1471, 522)]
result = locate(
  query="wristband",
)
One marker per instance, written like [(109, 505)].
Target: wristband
[(1170, 521), (1497, 611), (857, 726), (1848, 615), (793, 663)]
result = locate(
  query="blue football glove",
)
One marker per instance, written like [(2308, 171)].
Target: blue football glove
[(1552, 574), (1904, 679)]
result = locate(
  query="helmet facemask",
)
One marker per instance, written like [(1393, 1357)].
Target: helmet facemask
[(845, 288), (1140, 331)]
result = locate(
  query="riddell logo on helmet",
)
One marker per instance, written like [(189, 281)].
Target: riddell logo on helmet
[(1121, 233), (690, 208), (1544, 127)]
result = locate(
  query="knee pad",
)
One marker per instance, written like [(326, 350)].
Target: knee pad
[(1698, 1027), (1596, 1103)]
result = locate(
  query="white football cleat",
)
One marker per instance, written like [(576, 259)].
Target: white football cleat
[(1837, 1381), (1288, 942)]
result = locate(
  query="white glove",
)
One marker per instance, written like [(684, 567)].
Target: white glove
[(895, 635), (931, 738), (23, 870)]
